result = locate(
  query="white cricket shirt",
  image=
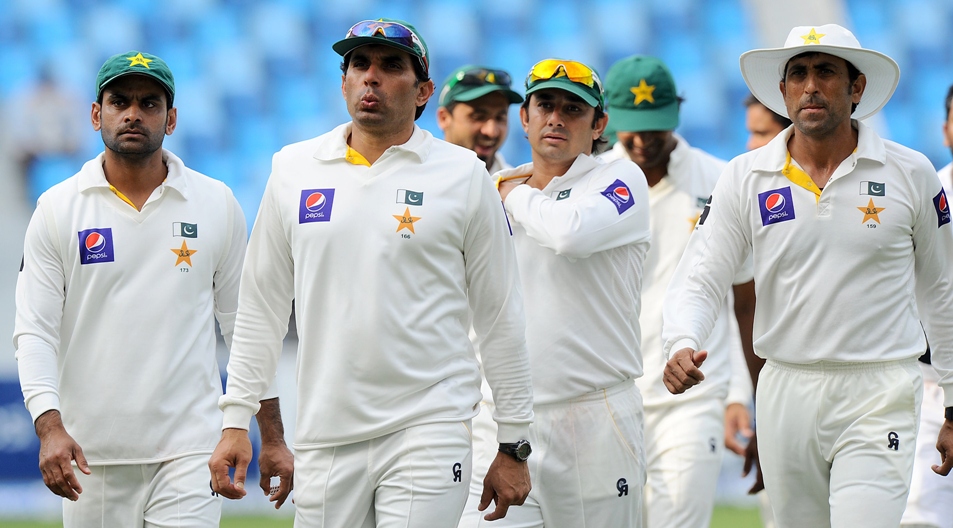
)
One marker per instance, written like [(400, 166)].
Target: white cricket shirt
[(115, 312), (675, 204), (844, 275), (580, 243), (382, 263)]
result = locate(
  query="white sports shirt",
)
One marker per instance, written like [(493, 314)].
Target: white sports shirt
[(946, 177), (381, 262), (580, 243), (675, 204), (115, 310), (846, 275)]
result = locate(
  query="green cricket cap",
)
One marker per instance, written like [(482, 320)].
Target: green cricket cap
[(470, 82), (386, 32), (641, 95), (562, 74), (135, 63)]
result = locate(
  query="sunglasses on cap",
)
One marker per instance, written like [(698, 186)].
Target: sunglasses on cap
[(480, 77), (391, 31), (577, 72)]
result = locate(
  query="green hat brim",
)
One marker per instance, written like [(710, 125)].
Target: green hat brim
[(169, 89), (477, 92), (563, 83), (345, 46), (647, 120)]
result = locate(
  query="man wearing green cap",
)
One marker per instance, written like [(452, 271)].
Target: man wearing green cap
[(126, 266), (386, 239), (683, 435), (474, 112), (581, 229)]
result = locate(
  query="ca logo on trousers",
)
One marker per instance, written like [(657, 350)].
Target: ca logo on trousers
[(457, 472), (622, 487), (893, 441)]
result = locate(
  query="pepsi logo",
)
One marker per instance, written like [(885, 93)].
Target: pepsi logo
[(621, 193), (943, 205), (315, 201), (95, 242), (774, 202)]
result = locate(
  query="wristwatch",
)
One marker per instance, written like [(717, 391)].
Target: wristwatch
[(949, 414), (520, 450)]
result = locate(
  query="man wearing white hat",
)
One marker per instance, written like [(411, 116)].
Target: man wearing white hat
[(850, 236)]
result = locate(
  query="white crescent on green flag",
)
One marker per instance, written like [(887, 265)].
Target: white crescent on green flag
[(870, 188), (407, 197), (183, 229)]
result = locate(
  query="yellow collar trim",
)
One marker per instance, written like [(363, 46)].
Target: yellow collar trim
[(355, 158), (800, 178), (122, 197)]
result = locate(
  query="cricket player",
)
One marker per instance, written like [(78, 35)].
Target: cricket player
[(685, 435), (125, 265), (386, 239), (851, 240), (581, 228), (474, 112), (930, 503)]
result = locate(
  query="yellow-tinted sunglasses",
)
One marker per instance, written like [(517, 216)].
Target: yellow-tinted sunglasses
[(576, 72)]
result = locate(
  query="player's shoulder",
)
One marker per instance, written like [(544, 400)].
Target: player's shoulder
[(907, 157)]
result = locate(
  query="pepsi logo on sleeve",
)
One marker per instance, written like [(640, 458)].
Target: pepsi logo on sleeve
[(618, 193), (776, 206), (942, 209)]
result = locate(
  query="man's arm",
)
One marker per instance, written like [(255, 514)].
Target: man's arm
[(275, 459), (496, 303), (57, 451)]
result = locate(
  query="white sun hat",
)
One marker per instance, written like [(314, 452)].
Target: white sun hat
[(763, 69)]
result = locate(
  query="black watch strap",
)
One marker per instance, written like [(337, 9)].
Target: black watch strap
[(518, 450), (949, 413)]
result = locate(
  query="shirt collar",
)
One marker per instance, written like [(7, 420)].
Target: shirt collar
[(92, 174), (772, 157), (582, 165), (334, 146)]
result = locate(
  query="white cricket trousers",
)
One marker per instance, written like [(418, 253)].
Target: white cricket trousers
[(930, 503), (836, 441), (413, 478), (172, 494), (587, 466), (684, 445)]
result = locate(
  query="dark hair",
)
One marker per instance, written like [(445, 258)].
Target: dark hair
[(418, 72), (778, 118), (600, 143), (949, 99), (852, 72)]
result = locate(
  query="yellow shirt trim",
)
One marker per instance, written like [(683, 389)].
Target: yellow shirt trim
[(355, 158), (800, 178), (122, 197)]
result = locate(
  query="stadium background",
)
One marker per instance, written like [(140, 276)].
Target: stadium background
[(252, 76)]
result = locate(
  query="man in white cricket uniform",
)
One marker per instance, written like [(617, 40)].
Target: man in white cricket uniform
[(474, 112), (581, 229), (930, 503), (851, 240), (684, 434), (125, 265), (385, 238)]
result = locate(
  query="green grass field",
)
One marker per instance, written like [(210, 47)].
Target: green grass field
[(724, 517)]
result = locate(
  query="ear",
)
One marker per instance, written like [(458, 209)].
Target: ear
[(600, 126), (857, 89), (171, 120), (95, 116), (946, 134), (424, 92), (444, 118), (343, 92), (524, 118)]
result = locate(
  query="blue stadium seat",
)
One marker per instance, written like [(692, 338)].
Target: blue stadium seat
[(47, 171)]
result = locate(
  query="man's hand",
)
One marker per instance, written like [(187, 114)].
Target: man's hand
[(276, 460), (737, 421), (753, 462), (57, 451), (944, 445), (506, 186), (681, 371), (507, 483), (233, 450)]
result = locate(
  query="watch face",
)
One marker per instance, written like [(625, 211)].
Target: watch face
[(523, 450)]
